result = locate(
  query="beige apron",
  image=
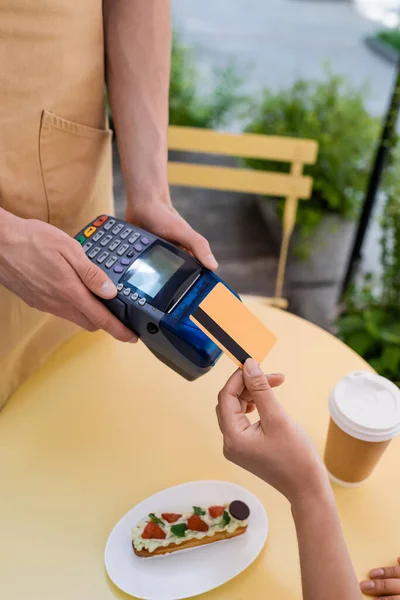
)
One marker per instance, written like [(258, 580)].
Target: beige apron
[(55, 151)]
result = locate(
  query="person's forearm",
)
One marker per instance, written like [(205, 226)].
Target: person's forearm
[(5, 229), (138, 50), (326, 568)]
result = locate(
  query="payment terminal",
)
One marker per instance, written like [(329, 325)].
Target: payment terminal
[(159, 286)]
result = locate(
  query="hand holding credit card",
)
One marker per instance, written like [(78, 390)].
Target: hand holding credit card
[(233, 327)]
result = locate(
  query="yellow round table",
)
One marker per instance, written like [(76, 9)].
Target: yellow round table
[(103, 425)]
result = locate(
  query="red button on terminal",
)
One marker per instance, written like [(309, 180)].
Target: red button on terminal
[(100, 221)]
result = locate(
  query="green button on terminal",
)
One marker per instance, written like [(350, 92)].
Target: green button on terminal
[(81, 239)]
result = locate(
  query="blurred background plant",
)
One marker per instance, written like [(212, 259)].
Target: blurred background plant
[(391, 37), (188, 106), (332, 112), (370, 323)]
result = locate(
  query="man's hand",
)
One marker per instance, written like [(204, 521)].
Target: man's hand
[(162, 219), (275, 448), (383, 583), (49, 271)]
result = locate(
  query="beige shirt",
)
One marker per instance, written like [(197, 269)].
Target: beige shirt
[(55, 151)]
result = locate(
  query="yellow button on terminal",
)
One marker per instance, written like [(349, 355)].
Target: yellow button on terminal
[(90, 231)]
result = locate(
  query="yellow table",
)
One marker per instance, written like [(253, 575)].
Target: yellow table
[(103, 425)]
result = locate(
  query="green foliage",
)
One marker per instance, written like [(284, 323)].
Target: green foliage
[(390, 242), (334, 114), (371, 322), (187, 106), (391, 37)]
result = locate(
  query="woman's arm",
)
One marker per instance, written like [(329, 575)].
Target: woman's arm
[(278, 451), (326, 567)]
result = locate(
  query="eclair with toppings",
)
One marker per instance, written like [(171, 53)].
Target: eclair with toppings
[(163, 533)]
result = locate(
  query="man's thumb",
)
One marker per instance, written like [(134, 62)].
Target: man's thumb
[(96, 280)]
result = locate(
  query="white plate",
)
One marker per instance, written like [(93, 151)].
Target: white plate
[(188, 573)]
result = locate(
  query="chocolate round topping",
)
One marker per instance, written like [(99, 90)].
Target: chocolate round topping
[(239, 510)]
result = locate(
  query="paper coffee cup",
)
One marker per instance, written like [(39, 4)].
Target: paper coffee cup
[(365, 417)]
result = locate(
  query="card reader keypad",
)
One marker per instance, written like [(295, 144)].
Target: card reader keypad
[(117, 229), (114, 246), (133, 238), (97, 236), (125, 233), (105, 241), (109, 224), (102, 257), (122, 249), (111, 262), (93, 253)]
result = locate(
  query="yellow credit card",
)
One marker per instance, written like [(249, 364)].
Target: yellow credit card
[(232, 326)]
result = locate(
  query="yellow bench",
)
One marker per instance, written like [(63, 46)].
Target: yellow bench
[(293, 186)]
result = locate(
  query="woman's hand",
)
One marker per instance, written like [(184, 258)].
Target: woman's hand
[(384, 583), (275, 448), (162, 219)]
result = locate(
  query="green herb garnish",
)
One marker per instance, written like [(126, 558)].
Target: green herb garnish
[(198, 511), (226, 519), (179, 530), (155, 519)]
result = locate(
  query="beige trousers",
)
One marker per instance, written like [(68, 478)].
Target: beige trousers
[(55, 150)]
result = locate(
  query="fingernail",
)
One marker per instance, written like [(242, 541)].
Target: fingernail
[(276, 375), (133, 340), (376, 573), (252, 368), (211, 262), (108, 288), (367, 585)]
